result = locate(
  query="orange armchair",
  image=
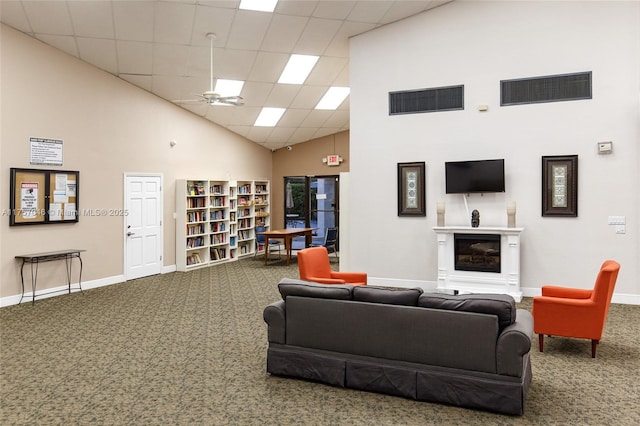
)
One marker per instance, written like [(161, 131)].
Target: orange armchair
[(313, 264), (573, 312)]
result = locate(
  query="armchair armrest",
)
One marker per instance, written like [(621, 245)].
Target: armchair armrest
[(325, 280), (567, 317), (567, 292), (350, 277)]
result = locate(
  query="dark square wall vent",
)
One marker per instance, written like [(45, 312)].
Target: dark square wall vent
[(554, 88), (426, 100)]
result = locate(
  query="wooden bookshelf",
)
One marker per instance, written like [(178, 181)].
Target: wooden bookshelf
[(216, 220)]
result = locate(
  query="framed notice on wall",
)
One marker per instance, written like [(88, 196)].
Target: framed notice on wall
[(43, 196)]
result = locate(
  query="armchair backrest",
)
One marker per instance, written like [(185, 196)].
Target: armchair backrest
[(314, 262), (605, 283)]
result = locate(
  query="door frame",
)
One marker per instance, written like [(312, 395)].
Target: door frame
[(124, 222)]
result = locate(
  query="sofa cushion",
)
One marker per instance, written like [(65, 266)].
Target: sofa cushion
[(502, 305), (388, 295), (293, 287)]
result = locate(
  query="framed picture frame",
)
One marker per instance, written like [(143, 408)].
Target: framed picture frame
[(411, 189), (560, 185), (41, 197)]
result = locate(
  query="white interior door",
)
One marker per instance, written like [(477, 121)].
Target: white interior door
[(143, 225)]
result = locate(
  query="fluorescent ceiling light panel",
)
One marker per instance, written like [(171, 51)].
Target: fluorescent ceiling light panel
[(333, 98), (297, 69), (269, 117), (259, 5), (228, 87)]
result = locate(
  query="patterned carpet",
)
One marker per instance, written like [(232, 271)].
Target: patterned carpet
[(189, 349)]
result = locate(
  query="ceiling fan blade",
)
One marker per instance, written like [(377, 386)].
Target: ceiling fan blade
[(231, 100), (189, 101)]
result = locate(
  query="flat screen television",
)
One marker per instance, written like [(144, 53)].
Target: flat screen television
[(463, 177)]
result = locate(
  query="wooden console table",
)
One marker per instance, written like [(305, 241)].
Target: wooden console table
[(35, 259)]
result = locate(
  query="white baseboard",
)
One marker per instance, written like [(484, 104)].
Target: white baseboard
[(63, 289)]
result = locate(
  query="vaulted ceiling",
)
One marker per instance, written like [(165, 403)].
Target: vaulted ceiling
[(162, 47)]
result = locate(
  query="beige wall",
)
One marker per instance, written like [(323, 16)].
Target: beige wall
[(305, 159), (109, 128)]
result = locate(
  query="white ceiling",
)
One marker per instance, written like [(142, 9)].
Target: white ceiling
[(161, 46)]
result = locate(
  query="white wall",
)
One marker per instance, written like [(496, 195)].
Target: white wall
[(478, 44), (109, 127)]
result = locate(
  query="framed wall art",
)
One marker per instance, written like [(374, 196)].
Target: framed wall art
[(560, 185), (411, 189)]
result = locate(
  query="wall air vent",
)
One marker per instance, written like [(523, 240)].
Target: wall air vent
[(426, 100), (554, 88)]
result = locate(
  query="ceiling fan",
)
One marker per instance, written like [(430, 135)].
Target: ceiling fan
[(210, 96)]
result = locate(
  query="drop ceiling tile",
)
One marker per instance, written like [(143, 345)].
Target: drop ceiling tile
[(259, 133), (338, 119), (283, 33), (193, 86), (99, 52), (326, 71), (297, 8), (308, 97), (248, 30), (241, 130), (133, 20), (316, 36), (223, 115), (342, 80), (199, 60), (370, 11), (268, 66), (334, 9), (282, 95), (91, 19), (293, 117), (233, 64), (316, 118), (170, 59), (339, 46), (243, 115), (135, 57), (279, 136), (302, 134), (167, 87), (210, 20), (256, 94), (142, 81), (48, 17), (13, 14), (402, 9), (65, 43), (173, 22)]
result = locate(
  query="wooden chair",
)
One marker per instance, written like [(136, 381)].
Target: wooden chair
[(313, 265), (573, 312)]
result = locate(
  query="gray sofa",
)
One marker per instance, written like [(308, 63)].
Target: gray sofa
[(465, 350)]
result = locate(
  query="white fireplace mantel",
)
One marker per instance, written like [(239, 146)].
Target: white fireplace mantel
[(506, 281)]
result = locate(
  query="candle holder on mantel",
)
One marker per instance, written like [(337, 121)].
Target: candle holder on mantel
[(511, 214), (440, 211)]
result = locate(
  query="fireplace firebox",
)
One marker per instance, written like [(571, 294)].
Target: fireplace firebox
[(477, 252)]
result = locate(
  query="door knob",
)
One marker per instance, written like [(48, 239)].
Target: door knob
[(130, 234)]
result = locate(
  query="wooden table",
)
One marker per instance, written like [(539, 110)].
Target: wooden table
[(36, 258), (286, 235)]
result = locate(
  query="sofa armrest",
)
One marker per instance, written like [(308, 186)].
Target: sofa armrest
[(567, 292), (350, 277), (274, 315), (514, 343)]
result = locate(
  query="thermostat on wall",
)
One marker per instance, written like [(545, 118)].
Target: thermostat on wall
[(605, 147)]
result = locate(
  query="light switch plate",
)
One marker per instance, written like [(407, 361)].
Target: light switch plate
[(605, 147), (617, 220)]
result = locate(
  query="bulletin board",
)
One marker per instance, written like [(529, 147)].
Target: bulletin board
[(41, 197)]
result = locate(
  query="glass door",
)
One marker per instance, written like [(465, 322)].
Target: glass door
[(311, 202)]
